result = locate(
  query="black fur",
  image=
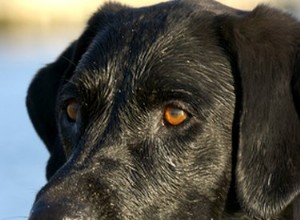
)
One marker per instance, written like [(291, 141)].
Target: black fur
[(236, 74)]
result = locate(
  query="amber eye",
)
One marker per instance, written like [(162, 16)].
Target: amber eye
[(174, 116), (72, 110)]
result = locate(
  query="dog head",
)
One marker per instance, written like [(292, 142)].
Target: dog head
[(178, 110)]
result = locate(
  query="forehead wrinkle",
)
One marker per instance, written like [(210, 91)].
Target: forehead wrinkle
[(117, 63), (174, 42), (138, 38), (179, 49), (162, 61), (98, 70), (163, 47), (94, 85)]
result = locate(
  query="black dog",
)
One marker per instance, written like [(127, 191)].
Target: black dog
[(182, 110)]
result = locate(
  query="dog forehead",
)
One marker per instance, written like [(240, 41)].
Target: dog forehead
[(135, 36), (135, 30), (131, 39), (161, 41)]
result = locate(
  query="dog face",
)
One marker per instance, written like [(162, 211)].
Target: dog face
[(179, 110)]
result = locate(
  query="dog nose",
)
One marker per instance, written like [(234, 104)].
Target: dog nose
[(56, 211)]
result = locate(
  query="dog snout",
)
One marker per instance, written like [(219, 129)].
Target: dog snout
[(59, 210), (72, 195)]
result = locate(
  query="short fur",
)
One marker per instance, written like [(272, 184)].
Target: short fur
[(236, 73)]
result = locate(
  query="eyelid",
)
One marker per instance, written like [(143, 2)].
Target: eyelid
[(187, 107), (68, 91)]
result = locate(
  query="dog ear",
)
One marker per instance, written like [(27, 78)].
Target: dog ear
[(264, 49), (43, 90), (41, 102)]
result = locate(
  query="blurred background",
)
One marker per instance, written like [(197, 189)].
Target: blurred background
[(33, 33)]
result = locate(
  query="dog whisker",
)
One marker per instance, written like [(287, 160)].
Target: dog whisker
[(69, 60)]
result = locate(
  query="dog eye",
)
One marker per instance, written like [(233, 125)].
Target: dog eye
[(175, 116), (72, 110)]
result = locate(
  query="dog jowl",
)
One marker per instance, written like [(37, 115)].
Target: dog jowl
[(181, 110)]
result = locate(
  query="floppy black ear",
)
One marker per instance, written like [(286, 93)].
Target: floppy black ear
[(264, 47), (42, 93), (41, 102)]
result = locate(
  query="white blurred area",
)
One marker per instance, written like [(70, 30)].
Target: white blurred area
[(77, 11)]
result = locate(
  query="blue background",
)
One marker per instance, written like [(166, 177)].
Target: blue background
[(23, 50)]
